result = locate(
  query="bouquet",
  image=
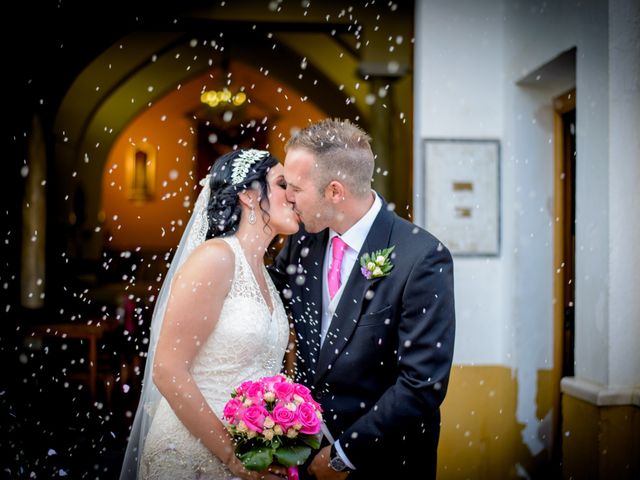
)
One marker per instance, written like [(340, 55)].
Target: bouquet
[(272, 420)]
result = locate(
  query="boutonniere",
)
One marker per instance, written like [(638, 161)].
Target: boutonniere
[(376, 264)]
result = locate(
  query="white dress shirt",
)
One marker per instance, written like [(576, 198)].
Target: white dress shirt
[(354, 238)]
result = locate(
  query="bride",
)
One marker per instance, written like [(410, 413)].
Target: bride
[(218, 321)]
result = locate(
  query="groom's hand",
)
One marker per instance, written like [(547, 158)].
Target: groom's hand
[(320, 468)]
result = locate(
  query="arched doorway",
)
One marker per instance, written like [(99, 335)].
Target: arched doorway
[(319, 51)]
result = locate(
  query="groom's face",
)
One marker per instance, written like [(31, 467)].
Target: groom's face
[(314, 210)]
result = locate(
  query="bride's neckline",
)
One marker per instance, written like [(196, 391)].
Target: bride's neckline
[(269, 304)]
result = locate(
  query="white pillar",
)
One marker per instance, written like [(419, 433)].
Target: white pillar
[(624, 191)]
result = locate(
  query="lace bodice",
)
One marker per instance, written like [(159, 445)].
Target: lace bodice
[(247, 342)]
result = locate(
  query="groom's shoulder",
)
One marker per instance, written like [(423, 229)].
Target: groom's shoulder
[(302, 239), (419, 239)]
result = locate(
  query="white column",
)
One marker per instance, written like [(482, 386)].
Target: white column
[(608, 324), (624, 190)]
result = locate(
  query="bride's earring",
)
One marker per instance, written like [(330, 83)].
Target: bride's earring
[(252, 216)]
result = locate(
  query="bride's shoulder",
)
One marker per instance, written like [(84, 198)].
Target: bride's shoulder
[(215, 249), (213, 255)]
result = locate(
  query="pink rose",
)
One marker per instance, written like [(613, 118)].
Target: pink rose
[(255, 392), (302, 391), (284, 417), (231, 409), (243, 387), (308, 418), (283, 391), (269, 382), (315, 404), (254, 417)]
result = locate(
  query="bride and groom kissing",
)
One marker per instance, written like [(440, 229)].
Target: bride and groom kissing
[(361, 297)]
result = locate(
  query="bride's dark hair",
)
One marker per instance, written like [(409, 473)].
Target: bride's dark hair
[(224, 210)]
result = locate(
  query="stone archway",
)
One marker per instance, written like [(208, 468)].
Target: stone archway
[(338, 58), (85, 137)]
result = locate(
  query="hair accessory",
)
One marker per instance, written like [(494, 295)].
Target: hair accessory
[(205, 180), (243, 162)]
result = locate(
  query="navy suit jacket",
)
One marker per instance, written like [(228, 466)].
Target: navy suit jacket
[(383, 369)]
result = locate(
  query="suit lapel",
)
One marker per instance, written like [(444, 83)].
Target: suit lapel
[(309, 326), (347, 313)]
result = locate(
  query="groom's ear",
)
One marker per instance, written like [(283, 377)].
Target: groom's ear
[(335, 192)]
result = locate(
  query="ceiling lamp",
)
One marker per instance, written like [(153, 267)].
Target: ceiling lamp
[(223, 98)]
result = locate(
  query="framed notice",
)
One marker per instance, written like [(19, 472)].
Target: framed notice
[(462, 194)]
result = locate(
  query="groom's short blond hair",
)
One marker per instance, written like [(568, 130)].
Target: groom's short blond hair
[(342, 151)]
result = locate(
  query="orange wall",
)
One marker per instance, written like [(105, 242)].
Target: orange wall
[(167, 124)]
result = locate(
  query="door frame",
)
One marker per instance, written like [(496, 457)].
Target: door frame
[(561, 104)]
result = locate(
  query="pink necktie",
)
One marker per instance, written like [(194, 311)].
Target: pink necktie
[(338, 248)]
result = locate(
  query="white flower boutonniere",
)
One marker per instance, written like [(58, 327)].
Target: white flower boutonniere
[(376, 264)]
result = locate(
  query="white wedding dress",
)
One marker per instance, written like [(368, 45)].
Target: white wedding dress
[(248, 342)]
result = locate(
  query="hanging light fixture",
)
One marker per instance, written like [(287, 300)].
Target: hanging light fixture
[(224, 97)]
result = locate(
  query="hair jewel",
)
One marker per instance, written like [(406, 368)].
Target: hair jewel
[(243, 162), (205, 180)]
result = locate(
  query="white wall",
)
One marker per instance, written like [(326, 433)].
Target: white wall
[(457, 95), (469, 56), (607, 227)]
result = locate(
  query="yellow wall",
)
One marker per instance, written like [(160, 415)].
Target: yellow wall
[(481, 436), (168, 126), (135, 223), (600, 442)]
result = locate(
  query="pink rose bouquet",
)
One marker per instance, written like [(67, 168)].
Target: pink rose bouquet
[(273, 420)]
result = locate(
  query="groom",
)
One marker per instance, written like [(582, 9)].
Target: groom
[(374, 339)]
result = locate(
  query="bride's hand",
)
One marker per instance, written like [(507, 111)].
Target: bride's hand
[(240, 471)]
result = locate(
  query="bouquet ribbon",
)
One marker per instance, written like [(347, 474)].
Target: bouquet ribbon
[(292, 473)]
